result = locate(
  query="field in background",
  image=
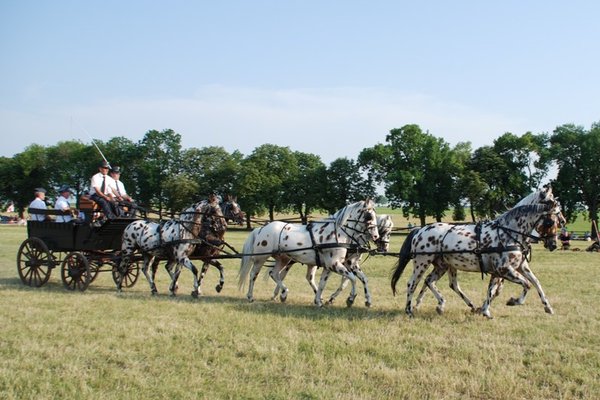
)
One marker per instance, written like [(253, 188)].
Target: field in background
[(100, 344)]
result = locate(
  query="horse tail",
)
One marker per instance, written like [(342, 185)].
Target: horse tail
[(246, 262), (403, 258)]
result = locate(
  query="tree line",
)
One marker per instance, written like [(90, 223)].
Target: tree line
[(420, 173)]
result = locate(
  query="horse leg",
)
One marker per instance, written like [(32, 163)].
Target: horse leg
[(278, 273), (258, 263), (219, 267), (512, 275), (530, 276), (174, 274), (456, 287), (364, 280), (429, 283), (311, 271), (420, 266), (125, 257), (322, 282), (189, 265), (343, 283), (152, 262)]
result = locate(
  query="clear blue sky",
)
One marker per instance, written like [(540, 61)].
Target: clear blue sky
[(325, 77)]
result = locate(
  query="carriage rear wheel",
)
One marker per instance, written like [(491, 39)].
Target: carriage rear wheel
[(34, 262), (75, 271), (130, 275)]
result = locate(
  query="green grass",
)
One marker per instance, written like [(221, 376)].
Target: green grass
[(99, 344)]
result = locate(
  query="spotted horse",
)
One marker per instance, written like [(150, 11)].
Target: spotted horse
[(200, 225), (495, 247), (326, 243), (384, 226), (540, 196)]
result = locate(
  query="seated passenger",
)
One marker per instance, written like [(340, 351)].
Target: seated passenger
[(62, 204), (126, 203), (40, 203), (101, 191)]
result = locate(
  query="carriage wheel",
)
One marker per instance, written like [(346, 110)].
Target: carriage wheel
[(95, 266), (34, 262), (75, 271), (130, 275)]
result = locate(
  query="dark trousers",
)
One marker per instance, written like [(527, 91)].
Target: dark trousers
[(108, 207)]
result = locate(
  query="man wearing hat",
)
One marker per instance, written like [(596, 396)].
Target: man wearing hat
[(101, 190), (62, 203), (120, 192), (39, 203)]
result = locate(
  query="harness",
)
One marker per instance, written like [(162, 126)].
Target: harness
[(480, 250)]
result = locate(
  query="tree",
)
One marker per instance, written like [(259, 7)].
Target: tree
[(345, 184), (304, 191), (264, 175), (418, 170), (213, 169), (28, 170), (160, 154), (577, 184)]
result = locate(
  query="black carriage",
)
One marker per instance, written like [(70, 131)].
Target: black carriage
[(81, 249)]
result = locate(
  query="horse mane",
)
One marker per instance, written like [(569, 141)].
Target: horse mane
[(342, 215), (516, 212), (536, 197)]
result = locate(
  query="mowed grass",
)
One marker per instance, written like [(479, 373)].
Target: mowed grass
[(103, 345)]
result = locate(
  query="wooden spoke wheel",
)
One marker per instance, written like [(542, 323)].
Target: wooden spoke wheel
[(75, 271), (130, 275), (34, 262), (95, 266)]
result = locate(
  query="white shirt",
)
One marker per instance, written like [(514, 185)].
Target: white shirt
[(97, 182), (62, 204), (38, 203), (119, 188)]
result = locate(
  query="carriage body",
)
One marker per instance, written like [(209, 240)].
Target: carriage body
[(82, 250)]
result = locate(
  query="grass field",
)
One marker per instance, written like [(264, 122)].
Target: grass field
[(98, 344)]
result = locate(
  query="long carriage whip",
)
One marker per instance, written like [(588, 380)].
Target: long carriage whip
[(93, 141)]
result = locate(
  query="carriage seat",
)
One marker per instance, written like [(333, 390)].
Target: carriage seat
[(90, 209), (49, 213)]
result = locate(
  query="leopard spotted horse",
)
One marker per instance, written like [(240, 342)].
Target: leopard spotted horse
[(495, 247)]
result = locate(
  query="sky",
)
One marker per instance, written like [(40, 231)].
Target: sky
[(323, 77)]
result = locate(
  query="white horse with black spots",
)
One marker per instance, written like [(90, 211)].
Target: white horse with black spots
[(384, 226), (541, 196), (327, 243), (175, 240), (497, 247)]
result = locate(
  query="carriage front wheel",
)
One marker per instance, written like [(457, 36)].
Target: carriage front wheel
[(34, 262), (130, 274), (75, 271)]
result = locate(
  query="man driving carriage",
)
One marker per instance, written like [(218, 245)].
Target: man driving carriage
[(126, 205)]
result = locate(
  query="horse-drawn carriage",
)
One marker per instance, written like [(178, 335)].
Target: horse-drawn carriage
[(81, 249)]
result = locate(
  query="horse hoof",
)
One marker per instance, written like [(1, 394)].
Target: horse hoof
[(154, 292), (439, 310), (367, 304), (512, 302), (218, 288), (349, 302), (330, 301), (549, 310), (283, 299)]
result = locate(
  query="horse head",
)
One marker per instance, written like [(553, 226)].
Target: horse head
[(547, 227), (214, 224), (384, 226), (232, 210), (359, 217)]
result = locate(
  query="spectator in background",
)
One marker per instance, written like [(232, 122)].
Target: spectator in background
[(565, 239), (39, 203), (62, 203)]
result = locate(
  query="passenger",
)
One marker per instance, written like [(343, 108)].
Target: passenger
[(127, 206), (39, 203), (62, 203), (101, 191)]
